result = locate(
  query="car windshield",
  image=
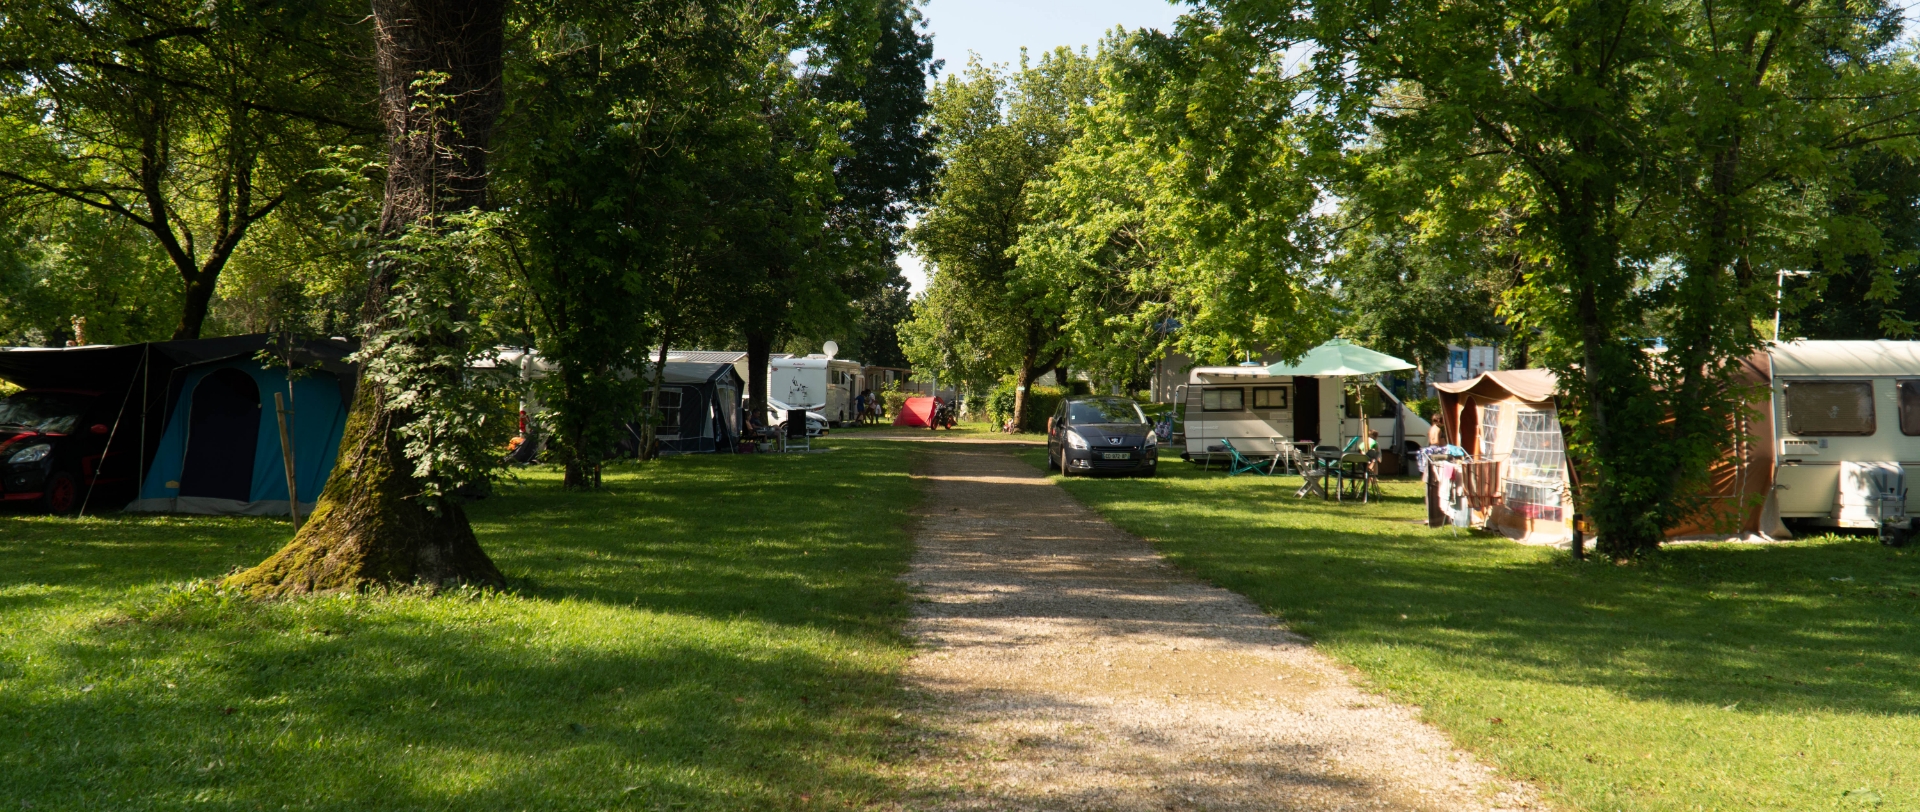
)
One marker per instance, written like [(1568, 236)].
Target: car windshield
[(41, 411), (1111, 410)]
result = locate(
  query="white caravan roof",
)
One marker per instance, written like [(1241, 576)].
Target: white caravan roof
[(1841, 358)]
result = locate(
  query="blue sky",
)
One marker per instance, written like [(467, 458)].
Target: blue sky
[(997, 29)]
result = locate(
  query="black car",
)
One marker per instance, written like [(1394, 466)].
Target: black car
[(1101, 435), (51, 446)]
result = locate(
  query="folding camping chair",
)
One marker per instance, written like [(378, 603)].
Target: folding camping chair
[(1240, 463), (1285, 456), (796, 434), (1323, 464)]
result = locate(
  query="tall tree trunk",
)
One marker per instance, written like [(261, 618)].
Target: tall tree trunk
[(759, 351), (649, 435), (193, 312), (374, 522)]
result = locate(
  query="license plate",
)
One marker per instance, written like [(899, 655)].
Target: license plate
[(1116, 455)]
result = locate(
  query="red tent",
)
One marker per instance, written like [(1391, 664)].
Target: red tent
[(917, 412)]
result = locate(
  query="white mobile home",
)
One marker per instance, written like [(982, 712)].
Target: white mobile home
[(820, 384)]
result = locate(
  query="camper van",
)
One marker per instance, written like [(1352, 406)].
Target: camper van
[(1254, 408), (1841, 411), (823, 385)]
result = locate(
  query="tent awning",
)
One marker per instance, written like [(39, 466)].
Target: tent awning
[(1340, 357), (1531, 385)]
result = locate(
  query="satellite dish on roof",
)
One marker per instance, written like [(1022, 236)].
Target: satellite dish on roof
[(830, 349)]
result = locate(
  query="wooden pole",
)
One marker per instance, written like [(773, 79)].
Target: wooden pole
[(286, 456)]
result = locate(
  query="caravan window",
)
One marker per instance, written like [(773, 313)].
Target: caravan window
[(1830, 408), (1910, 408), (1223, 400), (1270, 397)]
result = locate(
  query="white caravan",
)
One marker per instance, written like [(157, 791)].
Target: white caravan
[(1254, 408), (1841, 410)]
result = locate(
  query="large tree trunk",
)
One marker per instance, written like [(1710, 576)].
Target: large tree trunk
[(759, 351), (375, 523)]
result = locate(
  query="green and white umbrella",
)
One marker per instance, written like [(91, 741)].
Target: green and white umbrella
[(1340, 357)]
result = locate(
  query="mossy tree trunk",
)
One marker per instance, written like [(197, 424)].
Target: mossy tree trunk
[(439, 63)]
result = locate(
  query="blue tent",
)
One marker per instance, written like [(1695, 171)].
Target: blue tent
[(220, 449)]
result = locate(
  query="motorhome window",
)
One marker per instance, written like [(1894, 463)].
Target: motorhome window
[(1270, 397), (1223, 400), (1489, 428), (1368, 402), (1830, 408), (1910, 408), (1104, 410)]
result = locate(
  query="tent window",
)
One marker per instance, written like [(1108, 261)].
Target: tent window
[(1830, 409), (1223, 400), (1489, 429), (669, 411), (1910, 408), (1270, 397), (1537, 466)]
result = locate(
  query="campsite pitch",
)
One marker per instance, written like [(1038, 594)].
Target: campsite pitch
[(708, 633)]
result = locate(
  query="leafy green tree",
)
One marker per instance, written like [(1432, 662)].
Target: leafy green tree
[(1181, 219), (628, 124), (998, 135), (389, 513), (871, 61), (1665, 158), (61, 262), (193, 121), (1867, 294)]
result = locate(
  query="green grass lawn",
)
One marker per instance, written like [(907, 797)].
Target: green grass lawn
[(1722, 677), (708, 633)]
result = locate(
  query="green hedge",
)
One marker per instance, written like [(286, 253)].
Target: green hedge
[(1041, 401)]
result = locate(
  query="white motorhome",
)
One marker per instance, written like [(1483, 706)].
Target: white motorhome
[(1842, 407), (1255, 409), (821, 384)]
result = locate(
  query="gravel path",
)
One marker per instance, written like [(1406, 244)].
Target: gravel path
[(1067, 667)]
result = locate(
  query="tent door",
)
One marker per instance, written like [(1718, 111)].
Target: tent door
[(223, 429)]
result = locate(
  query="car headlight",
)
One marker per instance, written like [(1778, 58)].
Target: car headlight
[(1152, 440), (1076, 441), (32, 453)]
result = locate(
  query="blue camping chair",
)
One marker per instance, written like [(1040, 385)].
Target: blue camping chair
[(1240, 463)]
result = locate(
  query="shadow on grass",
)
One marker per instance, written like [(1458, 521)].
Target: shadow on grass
[(810, 539), (1817, 625), (709, 633)]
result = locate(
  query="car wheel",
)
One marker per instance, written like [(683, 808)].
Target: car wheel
[(1053, 463), (61, 494), (1064, 470)]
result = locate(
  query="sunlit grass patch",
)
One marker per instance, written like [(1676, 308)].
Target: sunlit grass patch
[(708, 633), (1723, 677)]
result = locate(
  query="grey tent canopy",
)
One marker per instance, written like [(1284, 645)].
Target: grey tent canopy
[(699, 408)]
